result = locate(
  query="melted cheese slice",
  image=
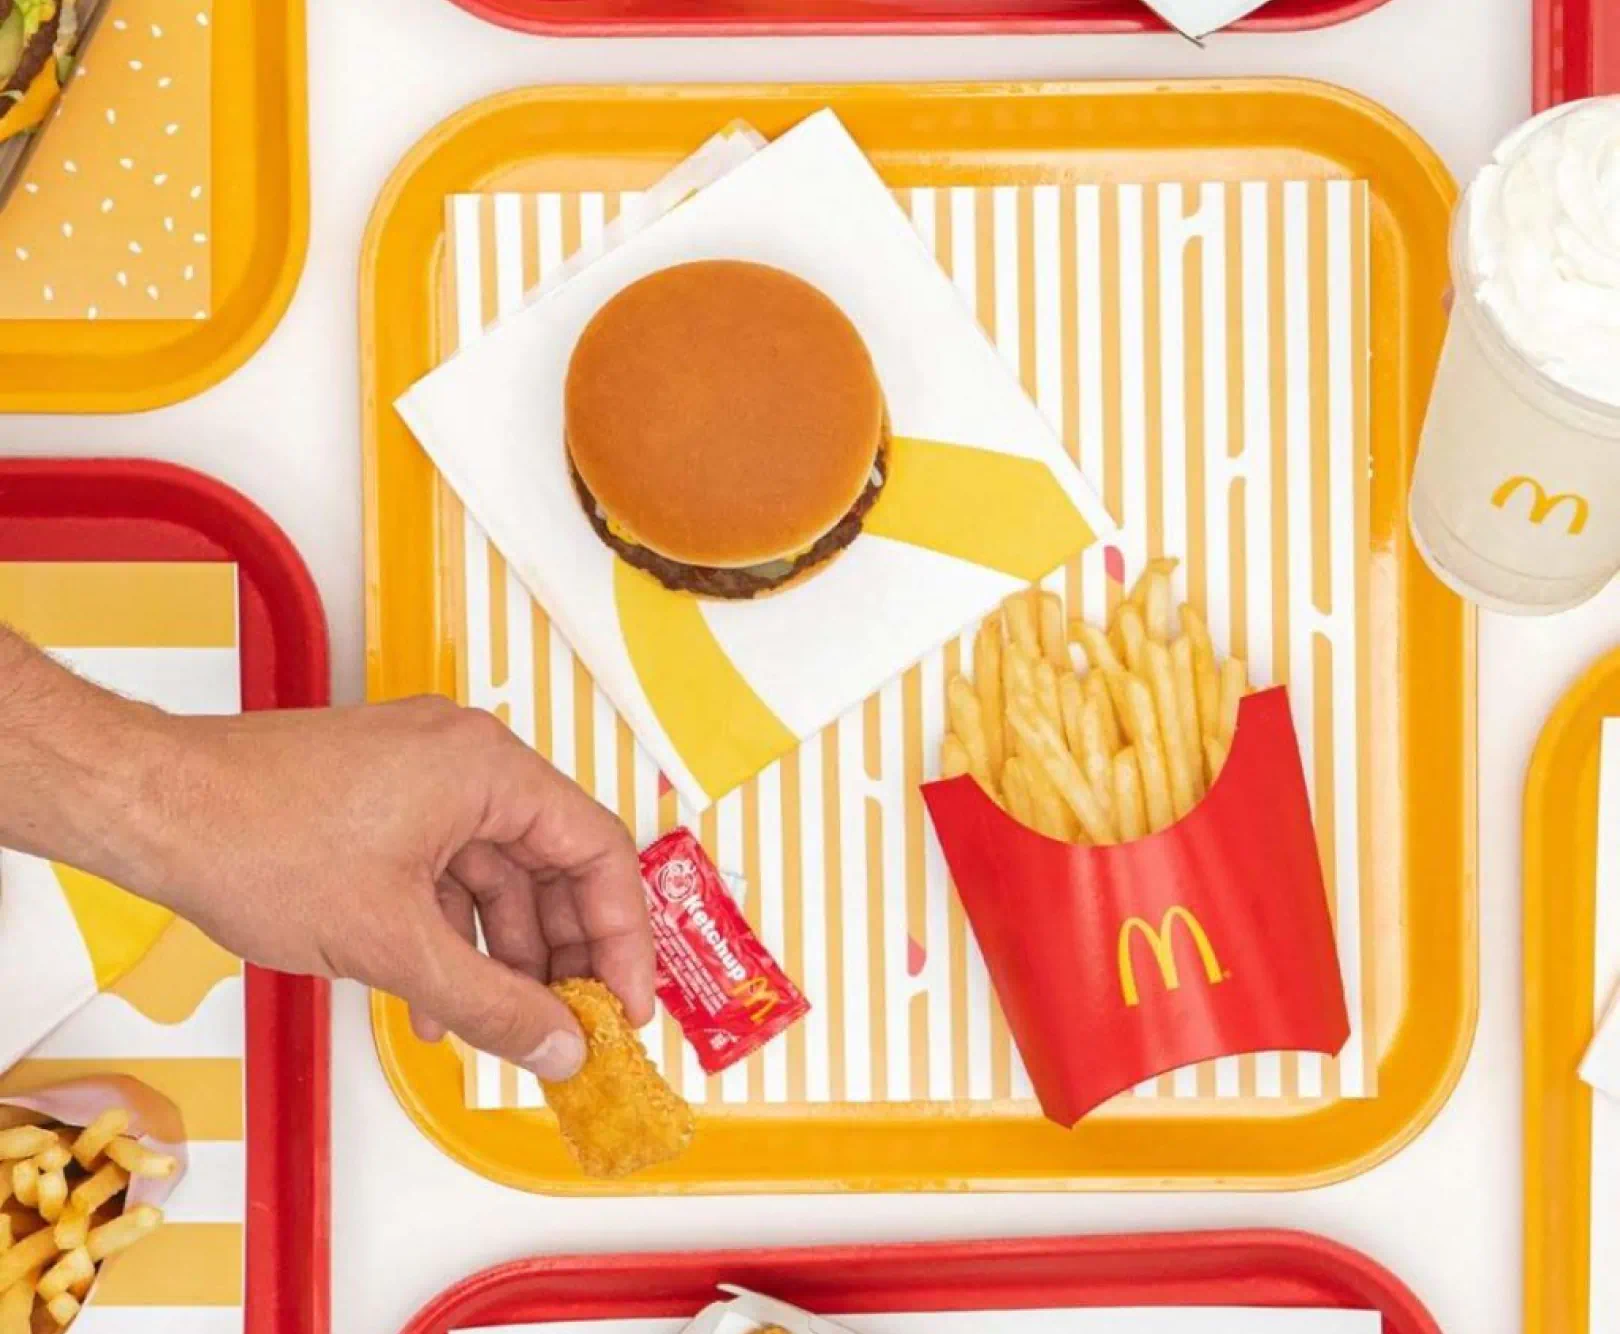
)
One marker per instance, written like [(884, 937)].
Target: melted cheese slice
[(36, 103)]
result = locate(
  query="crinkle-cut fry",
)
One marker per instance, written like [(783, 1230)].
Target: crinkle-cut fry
[(617, 1115), (1046, 748), (987, 647), (1142, 726), (94, 1191), (73, 1267), (1096, 687), (1181, 668), (1021, 628), (53, 1193), (95, 1137), (1158, 565), (1072, 705), (17, 1307), (1054, 643), (63, 1308), (1046, 694), (967, 721), (25, 1141), (1052, 815), (25, 1183), (1096, 759), (32, 1252), (1234, 686), (1015, 783), (1129, 808), (140, 1161), (120, 1233)]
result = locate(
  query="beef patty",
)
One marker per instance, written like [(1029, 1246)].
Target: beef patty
[(41, 47)]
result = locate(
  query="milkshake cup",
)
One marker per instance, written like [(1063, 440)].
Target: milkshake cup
[(1515, 498)]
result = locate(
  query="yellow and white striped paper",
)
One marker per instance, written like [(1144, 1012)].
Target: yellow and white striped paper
[(1203, 348), (167, 633)]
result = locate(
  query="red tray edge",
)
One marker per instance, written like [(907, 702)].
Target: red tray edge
[(1257, 1263), (1577, 51), (542, 18), (288, 1281)]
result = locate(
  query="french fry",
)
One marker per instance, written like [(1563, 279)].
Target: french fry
[(1095, 644), (1020, 610), (122, 1232), (1096, 760), (1132, 636), (1158, 565), (1046, 694), (1142, 726), (1052, 815), (25, 1183), (1129, 810), (1096, 687), (72, 1228), (140, 1161), (73, 1267), (53, 1192), (1181, 668), (1054, 643), (63, 1308), (95, 1137), (30, 1253), (17, 1307), (94, 1191), (1046, 748), (1072, 705), (953, 757), (24, 1142), (54, 1159), (5, 1188), (1234, 685), (1156, 606), (967, 721), (6, 1238), (1178, 761), (1015, 782), (987, 681), (1215, 753), (1206, 675)]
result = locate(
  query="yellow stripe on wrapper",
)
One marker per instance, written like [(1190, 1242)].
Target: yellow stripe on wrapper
[(690, 683), (177, 975), (949, 498), (117, 927)]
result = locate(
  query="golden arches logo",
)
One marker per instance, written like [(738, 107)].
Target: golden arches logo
[(1542, 505), (1162, 943), (758, 997)]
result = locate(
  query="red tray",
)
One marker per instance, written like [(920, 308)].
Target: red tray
[(756, 18), (1168, 1269), (1577, 50), (117, 510)]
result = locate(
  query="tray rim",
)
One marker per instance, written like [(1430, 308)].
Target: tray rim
[(504, 14), (387, 676), (270, 297), (1557, 1204), (1555, 80), (1187, 1249), (292, 1013)]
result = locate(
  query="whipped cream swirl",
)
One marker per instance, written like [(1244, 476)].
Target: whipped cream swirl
[(1544, 244)]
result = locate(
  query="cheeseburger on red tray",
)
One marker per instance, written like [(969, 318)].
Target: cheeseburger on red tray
[(726, 431)]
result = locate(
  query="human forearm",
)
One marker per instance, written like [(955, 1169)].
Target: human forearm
[(80, 769)]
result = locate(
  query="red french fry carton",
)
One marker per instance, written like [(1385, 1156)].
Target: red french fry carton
[(1117, 964)]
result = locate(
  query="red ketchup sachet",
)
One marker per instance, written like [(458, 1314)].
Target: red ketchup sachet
[(715, 977)]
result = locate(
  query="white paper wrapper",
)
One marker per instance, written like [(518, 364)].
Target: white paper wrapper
[(154, 1121), (1199, 18)]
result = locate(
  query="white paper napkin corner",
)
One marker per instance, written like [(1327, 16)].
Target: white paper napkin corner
[(1199, 18)]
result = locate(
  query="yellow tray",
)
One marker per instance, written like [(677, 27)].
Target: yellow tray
[(1560, 908), (260, 191), (1421, 639)]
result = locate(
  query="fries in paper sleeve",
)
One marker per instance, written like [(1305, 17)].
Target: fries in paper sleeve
[(96, 1159), (1129, 830)]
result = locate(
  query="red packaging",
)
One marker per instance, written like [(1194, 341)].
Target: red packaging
[(1116, 964), (722, 986)]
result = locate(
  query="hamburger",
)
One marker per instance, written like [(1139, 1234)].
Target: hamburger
[(37, 40), (725, 429)]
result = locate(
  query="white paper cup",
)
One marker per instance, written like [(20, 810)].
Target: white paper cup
[(1515, 499)]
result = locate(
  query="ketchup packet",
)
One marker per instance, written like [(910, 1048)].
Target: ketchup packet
[(728, 994)]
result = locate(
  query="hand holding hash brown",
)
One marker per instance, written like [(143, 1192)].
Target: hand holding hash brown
[(62, 1211), (617, 1115), (1116, 753)]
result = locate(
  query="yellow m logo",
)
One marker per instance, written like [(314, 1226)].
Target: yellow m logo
[(1541, 504), (758, 997), (1162, 943)]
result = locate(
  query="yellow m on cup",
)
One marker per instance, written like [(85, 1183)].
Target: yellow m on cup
[(1162, 943), (1541, 504)]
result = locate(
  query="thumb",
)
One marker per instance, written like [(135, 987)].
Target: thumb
[(500, 1010)]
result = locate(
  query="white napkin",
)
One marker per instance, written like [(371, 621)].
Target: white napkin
[(1199, 18), (980, 497)]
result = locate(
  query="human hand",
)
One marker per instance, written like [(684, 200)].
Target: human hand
[(364, 842)]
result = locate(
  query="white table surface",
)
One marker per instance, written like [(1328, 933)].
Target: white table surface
[(1444, 1214)]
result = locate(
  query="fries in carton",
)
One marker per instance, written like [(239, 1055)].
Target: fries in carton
[(1143, 880), (85, 1167)]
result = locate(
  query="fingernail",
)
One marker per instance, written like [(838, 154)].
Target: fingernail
[(559, 1057)]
